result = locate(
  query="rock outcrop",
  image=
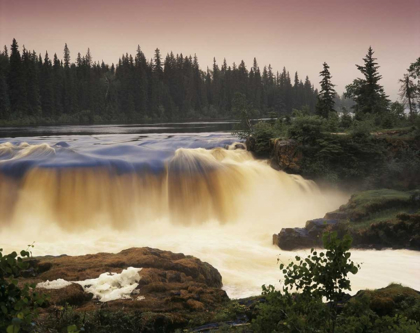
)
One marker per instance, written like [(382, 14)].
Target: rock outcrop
[(170, 282), (375, 219), (296, 238), (286, 156)]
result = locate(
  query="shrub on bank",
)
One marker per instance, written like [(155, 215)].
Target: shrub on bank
[(18, 305), (323, 276)]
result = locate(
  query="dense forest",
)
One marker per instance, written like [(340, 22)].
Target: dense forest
[(38, 89)]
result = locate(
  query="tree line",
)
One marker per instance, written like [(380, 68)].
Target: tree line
[(44, 89), (368, 96)]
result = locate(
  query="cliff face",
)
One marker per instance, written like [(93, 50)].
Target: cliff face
[(286, 156), (172, 285)]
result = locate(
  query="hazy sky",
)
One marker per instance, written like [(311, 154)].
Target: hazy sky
[(298, 34)]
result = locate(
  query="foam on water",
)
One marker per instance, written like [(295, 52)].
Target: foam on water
[(107, 287), (183, 193)]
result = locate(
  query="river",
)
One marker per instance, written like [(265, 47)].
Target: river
[(181, 187)]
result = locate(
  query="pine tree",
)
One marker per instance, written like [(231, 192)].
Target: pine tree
[(325, 103), (58, 85), (29, 62), (410, 89), (157, 68), (16, 83), (66, 56), (137, 88), (47, 89), (368, 94), (4, 93), (140, 82)]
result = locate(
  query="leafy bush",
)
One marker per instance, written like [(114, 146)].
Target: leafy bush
[(320, 276), (263, 133), (18, 305), (362, 129), (299, 306), (346, 120), (307, 129)]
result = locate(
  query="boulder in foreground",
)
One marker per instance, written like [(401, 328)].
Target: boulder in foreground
[(173, 286)]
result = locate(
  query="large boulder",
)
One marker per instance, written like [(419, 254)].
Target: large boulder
[(297, 238), (73, 295), (293, 238), (169, 281)]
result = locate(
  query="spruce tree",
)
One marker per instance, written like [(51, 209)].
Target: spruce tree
[(138, 88), (47, 88), (58, 79), (410, 89), (4, 93), (140, 82), (367, 93), (29, 62), (66, 56), (325, 103), (16, 82)]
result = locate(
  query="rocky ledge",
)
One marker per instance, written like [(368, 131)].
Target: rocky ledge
[(375, 219), (172, 286)]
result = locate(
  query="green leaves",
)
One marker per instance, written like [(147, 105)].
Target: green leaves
[(322, 274), (12, 329), (18, 305), (72, 329)]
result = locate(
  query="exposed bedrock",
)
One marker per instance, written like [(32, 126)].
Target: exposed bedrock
[(375, 219), (170, 282), (286, 156)]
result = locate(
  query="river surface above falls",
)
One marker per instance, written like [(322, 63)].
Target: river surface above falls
[(88, 189)]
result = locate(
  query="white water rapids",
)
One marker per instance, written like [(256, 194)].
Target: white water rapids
[(77, 195)]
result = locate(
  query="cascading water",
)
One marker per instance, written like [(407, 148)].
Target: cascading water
[(184, 193)]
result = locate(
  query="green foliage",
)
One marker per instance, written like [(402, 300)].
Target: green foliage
[(359, 315), (242, 110), (333, 122), (323, 276), (325, 103), (367, 93), (286, 313), (306, 129), (66, 319), (346, 120), (410, 88), (362, 129), (263, 134), (45, 90), (231, 312), (319, 276), (18, 304)]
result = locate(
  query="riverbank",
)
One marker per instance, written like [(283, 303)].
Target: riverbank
[(375, 219), (172, 292)]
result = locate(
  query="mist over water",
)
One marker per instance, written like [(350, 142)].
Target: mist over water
[(79, 194)]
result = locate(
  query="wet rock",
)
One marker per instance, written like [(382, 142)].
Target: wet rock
[(169, 281), (250, 143), (238, 145), (337, 215), (293, 238), (316, 227), (286, 156), (395, 230), (71, 295)]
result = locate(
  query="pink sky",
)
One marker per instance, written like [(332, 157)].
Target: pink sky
[(298, 34)]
